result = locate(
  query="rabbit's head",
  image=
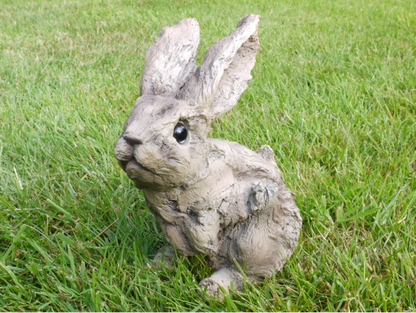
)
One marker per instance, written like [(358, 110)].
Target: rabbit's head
[(163, 144)]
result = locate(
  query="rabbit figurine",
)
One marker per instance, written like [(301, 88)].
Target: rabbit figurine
[(210, 196)]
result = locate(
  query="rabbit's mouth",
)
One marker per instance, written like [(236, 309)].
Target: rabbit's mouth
[(133, 159), (132, 162), (135, 167), (123, 164), (142, 176)]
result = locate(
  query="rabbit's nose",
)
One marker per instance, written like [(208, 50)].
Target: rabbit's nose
[(132, 139)]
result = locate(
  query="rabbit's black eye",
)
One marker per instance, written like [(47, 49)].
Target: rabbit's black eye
[(180, 133)]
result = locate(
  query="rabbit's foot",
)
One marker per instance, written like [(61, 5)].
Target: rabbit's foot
[(165, 255), (224, 277)]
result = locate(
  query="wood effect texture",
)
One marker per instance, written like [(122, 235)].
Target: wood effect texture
[(210, 196)]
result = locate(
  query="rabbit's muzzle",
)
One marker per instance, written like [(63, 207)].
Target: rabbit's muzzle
[(132, 159), (123, 152)]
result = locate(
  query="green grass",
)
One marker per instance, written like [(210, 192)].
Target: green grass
[(333, 93)]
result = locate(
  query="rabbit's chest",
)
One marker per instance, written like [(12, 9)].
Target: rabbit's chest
[(207, 192), (196, 211)]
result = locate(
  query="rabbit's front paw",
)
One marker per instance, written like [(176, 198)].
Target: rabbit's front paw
[(165, 255), (224, 277), (212, 287)]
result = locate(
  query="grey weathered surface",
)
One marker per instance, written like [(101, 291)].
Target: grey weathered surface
[(210, 196)]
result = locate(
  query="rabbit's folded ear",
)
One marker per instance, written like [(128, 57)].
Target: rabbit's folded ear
[(170, 61), (225, 70)]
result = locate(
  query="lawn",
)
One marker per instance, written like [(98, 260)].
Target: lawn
[(333, 93)]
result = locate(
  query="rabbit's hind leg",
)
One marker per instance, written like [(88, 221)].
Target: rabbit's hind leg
[(225, 277), (262, 244)]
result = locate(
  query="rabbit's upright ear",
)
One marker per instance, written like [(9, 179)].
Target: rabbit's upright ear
[(225, 70), (170, 61)]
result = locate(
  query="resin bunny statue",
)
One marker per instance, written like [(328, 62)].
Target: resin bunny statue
[(210, 196)]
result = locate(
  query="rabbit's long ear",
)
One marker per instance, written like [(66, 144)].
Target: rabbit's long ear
[(170, 61), (225, 70)]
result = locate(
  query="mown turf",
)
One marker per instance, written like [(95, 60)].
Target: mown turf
[(333, 93)]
